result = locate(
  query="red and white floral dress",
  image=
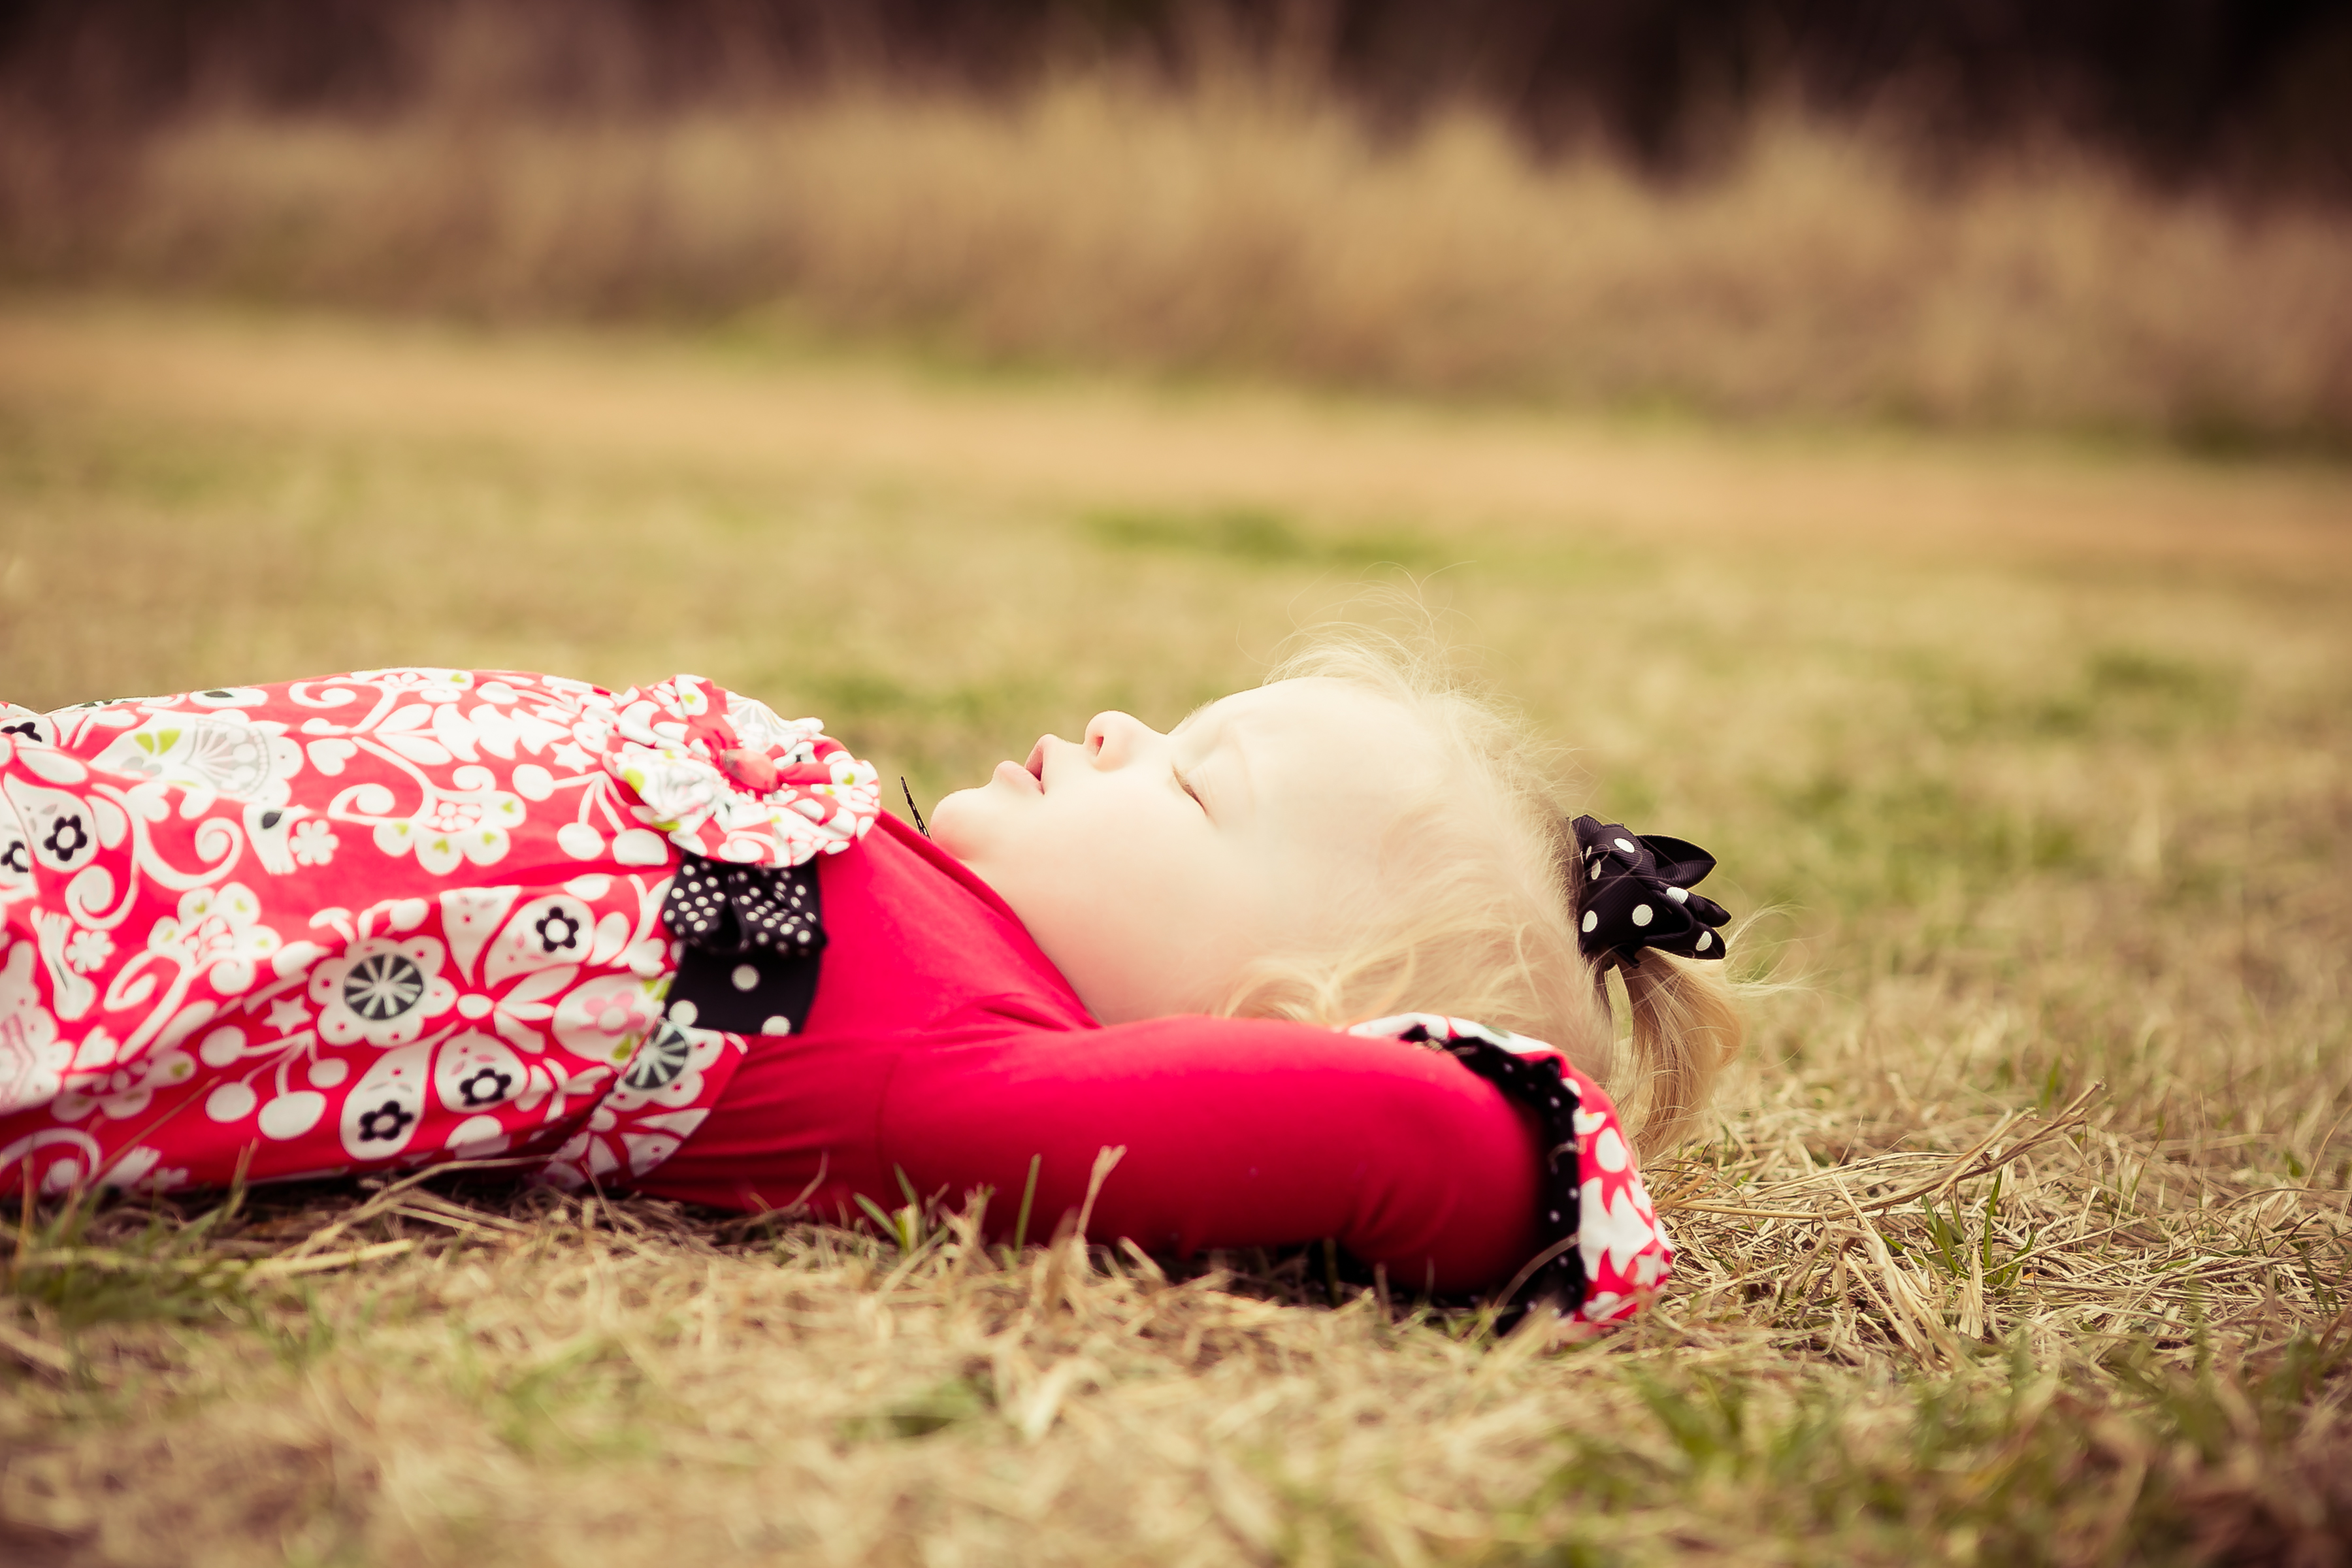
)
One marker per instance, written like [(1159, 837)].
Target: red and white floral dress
[(383, 920)]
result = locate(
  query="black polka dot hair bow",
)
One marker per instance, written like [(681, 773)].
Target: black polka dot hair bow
[(1634, 892)]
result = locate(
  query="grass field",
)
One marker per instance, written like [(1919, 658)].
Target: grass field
[(2020, 1234)]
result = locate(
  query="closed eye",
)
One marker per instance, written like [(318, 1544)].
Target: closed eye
[(1186, 785)]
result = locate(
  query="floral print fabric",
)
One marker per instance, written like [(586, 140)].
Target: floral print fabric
[(381, 919), (1626, 1253)]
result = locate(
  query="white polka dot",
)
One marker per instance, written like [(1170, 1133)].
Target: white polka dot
[(1596, 868), (1641, 914), (684, 1013), (745, 978), (1706, 940), (1592, 918), (1678, 896), (777, 1026), (1626, 845)]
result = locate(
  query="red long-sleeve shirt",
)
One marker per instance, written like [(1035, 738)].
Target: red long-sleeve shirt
[(943, 1044)]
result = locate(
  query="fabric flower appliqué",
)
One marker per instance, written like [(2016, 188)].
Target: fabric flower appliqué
[(724, 777)]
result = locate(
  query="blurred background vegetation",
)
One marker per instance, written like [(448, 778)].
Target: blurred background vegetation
[(2101, 215)]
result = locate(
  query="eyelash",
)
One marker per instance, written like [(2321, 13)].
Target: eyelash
[(1186, 785)]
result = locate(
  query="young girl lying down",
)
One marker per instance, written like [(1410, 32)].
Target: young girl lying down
[(666, 940)]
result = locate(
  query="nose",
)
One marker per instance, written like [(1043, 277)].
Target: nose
[(1113, 738)]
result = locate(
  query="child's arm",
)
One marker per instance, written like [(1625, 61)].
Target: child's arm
[(1238, 1133)]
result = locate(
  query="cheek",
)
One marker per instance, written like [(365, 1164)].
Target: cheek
[(1095, 869), (1095, 866), (1138, 932), (1075, 857)]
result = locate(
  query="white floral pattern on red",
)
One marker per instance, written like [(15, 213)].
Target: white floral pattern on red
[(383, 919)]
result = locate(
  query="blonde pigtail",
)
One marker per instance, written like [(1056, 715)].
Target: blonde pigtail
[(1686, 1030)]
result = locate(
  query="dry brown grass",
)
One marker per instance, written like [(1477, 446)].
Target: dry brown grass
[(1242, 226), (2039, 753), (565, 1381)]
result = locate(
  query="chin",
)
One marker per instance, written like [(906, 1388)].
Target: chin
[(951, 817)]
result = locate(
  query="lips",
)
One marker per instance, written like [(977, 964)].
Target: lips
[(1029, 775)]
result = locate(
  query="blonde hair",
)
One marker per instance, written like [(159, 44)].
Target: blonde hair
[(1477, 920)]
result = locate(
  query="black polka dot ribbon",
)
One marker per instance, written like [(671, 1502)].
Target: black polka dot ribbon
[(1536, 1084), (751, 937), (733, 909), (1632, 892)]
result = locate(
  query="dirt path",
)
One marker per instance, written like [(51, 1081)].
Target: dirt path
[(1072, 443)]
